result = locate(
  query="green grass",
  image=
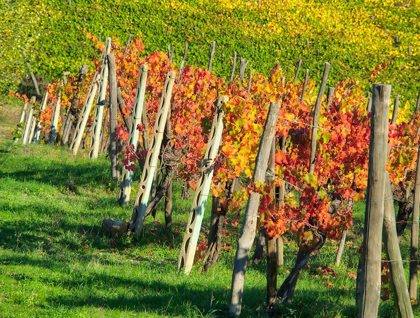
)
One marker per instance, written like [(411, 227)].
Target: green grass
[(54, 261)]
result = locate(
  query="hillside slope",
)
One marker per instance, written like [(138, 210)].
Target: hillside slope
[(355, 35)]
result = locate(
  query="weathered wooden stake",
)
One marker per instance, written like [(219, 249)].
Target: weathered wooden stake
[(304, 86), (133, 139), (417, 104), (28, 125), (297, 70), (38, 125), (113, 112), (84, 115), (139, 211), (271, 241), (100, 103), (247, 235), (21, 120), (213, 47), (126, 46), (56, 114), (392, 249), (181, 68), (242, 67), (414, 248), (189, 244), (340, 248), (330, 96), (232, 75), (316, 117), (249, 81), (395, 111), (372, 236), (34, 81)]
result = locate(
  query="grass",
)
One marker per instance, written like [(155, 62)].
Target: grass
[(54, 261)]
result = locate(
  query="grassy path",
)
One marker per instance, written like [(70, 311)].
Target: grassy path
[(54, 261)]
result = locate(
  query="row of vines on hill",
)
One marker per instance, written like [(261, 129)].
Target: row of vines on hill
[(317, 202)]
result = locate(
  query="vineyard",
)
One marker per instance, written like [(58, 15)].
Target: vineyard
[(242, 182)]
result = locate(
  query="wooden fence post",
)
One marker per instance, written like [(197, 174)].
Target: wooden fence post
[(414, 248), (372, 243), (139, 211), (100, 103), (113, 112), (189, 244), (392, 249), (247, 235), (316, 117), (133, 139)]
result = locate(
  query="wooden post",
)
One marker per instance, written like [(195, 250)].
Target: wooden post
[(38, 125), (304, 86), (113, 111), (32, 129), (330, 96), (56, 113), (409, 50), (297, 70), (417, 104), (213, 47), (316, 117), (340, 248), (133, 139), (80, 127), (369, 104), (34, 81), (181, 68), (139, 211), (232, 74), (242, 66), (100, 103), (395, 111), (247, 235), (249, 81), (392, 249), (189, 244), (126, 46), (271, 241), (21, 120), (414, 248), (371, 255), (72, 109), (28, 125)]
